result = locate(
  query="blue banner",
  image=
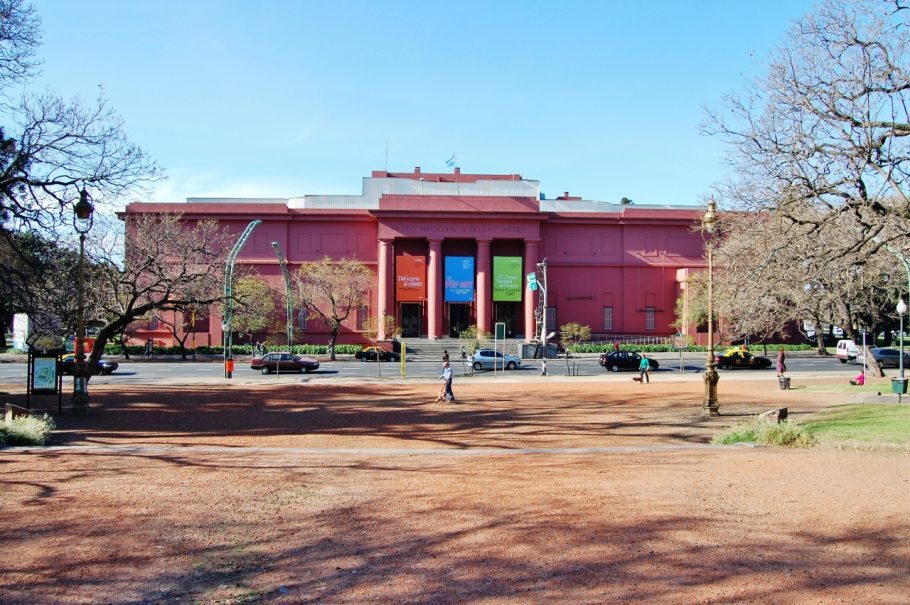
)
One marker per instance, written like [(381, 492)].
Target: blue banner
[(459, 275)]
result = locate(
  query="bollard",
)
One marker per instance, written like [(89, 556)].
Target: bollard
[(784, 383)]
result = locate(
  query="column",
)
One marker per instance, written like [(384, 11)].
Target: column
[(384, 282), (483, 285), (434, 281), (530, 296)]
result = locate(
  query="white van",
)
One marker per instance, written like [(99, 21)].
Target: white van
[(846, 351)]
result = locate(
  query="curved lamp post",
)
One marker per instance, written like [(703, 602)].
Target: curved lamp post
[(710, 405), (82, 221)]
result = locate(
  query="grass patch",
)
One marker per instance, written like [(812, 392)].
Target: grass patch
[(786, 434), (27, 430), (858, 423)]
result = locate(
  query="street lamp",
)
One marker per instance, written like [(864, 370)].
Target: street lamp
[(710, 406), (901, 311), (82, 221)]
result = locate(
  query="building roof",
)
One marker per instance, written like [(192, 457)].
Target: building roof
[(452, 203)]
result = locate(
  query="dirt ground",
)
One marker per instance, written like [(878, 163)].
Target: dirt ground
[(590, 492)]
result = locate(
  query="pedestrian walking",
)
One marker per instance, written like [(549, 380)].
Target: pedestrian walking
[(781, 366), (445, 356), (447, 377), (644, 370), (543, 366), (149, 346)]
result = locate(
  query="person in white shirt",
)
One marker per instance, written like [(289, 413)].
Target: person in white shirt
[(447, 376)]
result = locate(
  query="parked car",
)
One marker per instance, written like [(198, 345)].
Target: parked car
[(283, 362), (104, 366), (887, 358), (624, 360), (370, 353), (487, 359), (846, 351), (738, 358)]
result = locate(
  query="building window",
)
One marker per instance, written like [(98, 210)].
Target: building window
[(301, 320), (649, 319), (551, 319), (608, 319), (153, 322), (363, 318)]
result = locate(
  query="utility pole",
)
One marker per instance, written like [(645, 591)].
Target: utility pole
[(287, 290), (542, 305)]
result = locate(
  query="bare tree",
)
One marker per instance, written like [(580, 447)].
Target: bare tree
[(51, 148), (331, 290), (167, 264), (823, 138), (387, 327)]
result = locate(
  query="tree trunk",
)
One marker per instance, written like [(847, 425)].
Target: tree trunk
[(820, 341), (872, 366), (126, 351), (332, 339)]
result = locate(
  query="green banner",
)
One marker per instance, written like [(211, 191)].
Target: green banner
[(508, 279)]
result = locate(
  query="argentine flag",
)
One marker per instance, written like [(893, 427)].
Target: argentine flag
[(452, 161)]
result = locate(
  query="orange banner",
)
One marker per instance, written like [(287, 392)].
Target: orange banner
[(410, 278)]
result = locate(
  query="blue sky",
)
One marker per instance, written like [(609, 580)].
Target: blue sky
[(284, 98)]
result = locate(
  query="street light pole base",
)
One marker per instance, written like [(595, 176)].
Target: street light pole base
[(710, 406)]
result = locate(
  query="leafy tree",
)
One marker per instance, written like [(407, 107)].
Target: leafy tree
[(254, 310), (571, 335), (331, 290)]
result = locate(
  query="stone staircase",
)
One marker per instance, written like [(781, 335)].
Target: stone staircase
[(421, 349)]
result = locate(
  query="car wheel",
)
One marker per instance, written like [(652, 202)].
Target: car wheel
[(511, 365), (614, 368), (362, 358), (844, 361), (265, 370), (478, 365)]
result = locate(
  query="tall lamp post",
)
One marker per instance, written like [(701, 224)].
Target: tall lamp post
[(82, 221), (710, 406), (901, 311)]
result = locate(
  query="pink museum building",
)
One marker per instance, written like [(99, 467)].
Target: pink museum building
[(451, 250)]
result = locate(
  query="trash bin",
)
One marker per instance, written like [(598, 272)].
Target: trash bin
[(899, 385), (784, 383)]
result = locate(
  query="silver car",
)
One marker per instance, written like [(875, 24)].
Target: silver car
[(486, 359)]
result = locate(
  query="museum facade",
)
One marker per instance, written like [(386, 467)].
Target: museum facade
[(450, 250)]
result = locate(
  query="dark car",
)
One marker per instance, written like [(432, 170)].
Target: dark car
[(283, 362), (104, 366), (738, 358), (889, 358), (624, 360), (370, 353)]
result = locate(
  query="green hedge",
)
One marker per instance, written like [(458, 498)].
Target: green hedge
[(756, 348), (306, 349)]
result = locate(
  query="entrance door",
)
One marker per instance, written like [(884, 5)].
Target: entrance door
[(459, 316), (505, 312), (411, 314)]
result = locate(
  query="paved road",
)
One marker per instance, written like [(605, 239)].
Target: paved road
[(189, 372)]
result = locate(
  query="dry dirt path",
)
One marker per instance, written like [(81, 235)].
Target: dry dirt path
[(367, 493)]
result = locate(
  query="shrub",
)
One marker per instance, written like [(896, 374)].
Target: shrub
[(27, 430), (786, 434)]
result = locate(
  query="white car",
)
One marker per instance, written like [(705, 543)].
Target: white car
[(486, 359), (846, 351)]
